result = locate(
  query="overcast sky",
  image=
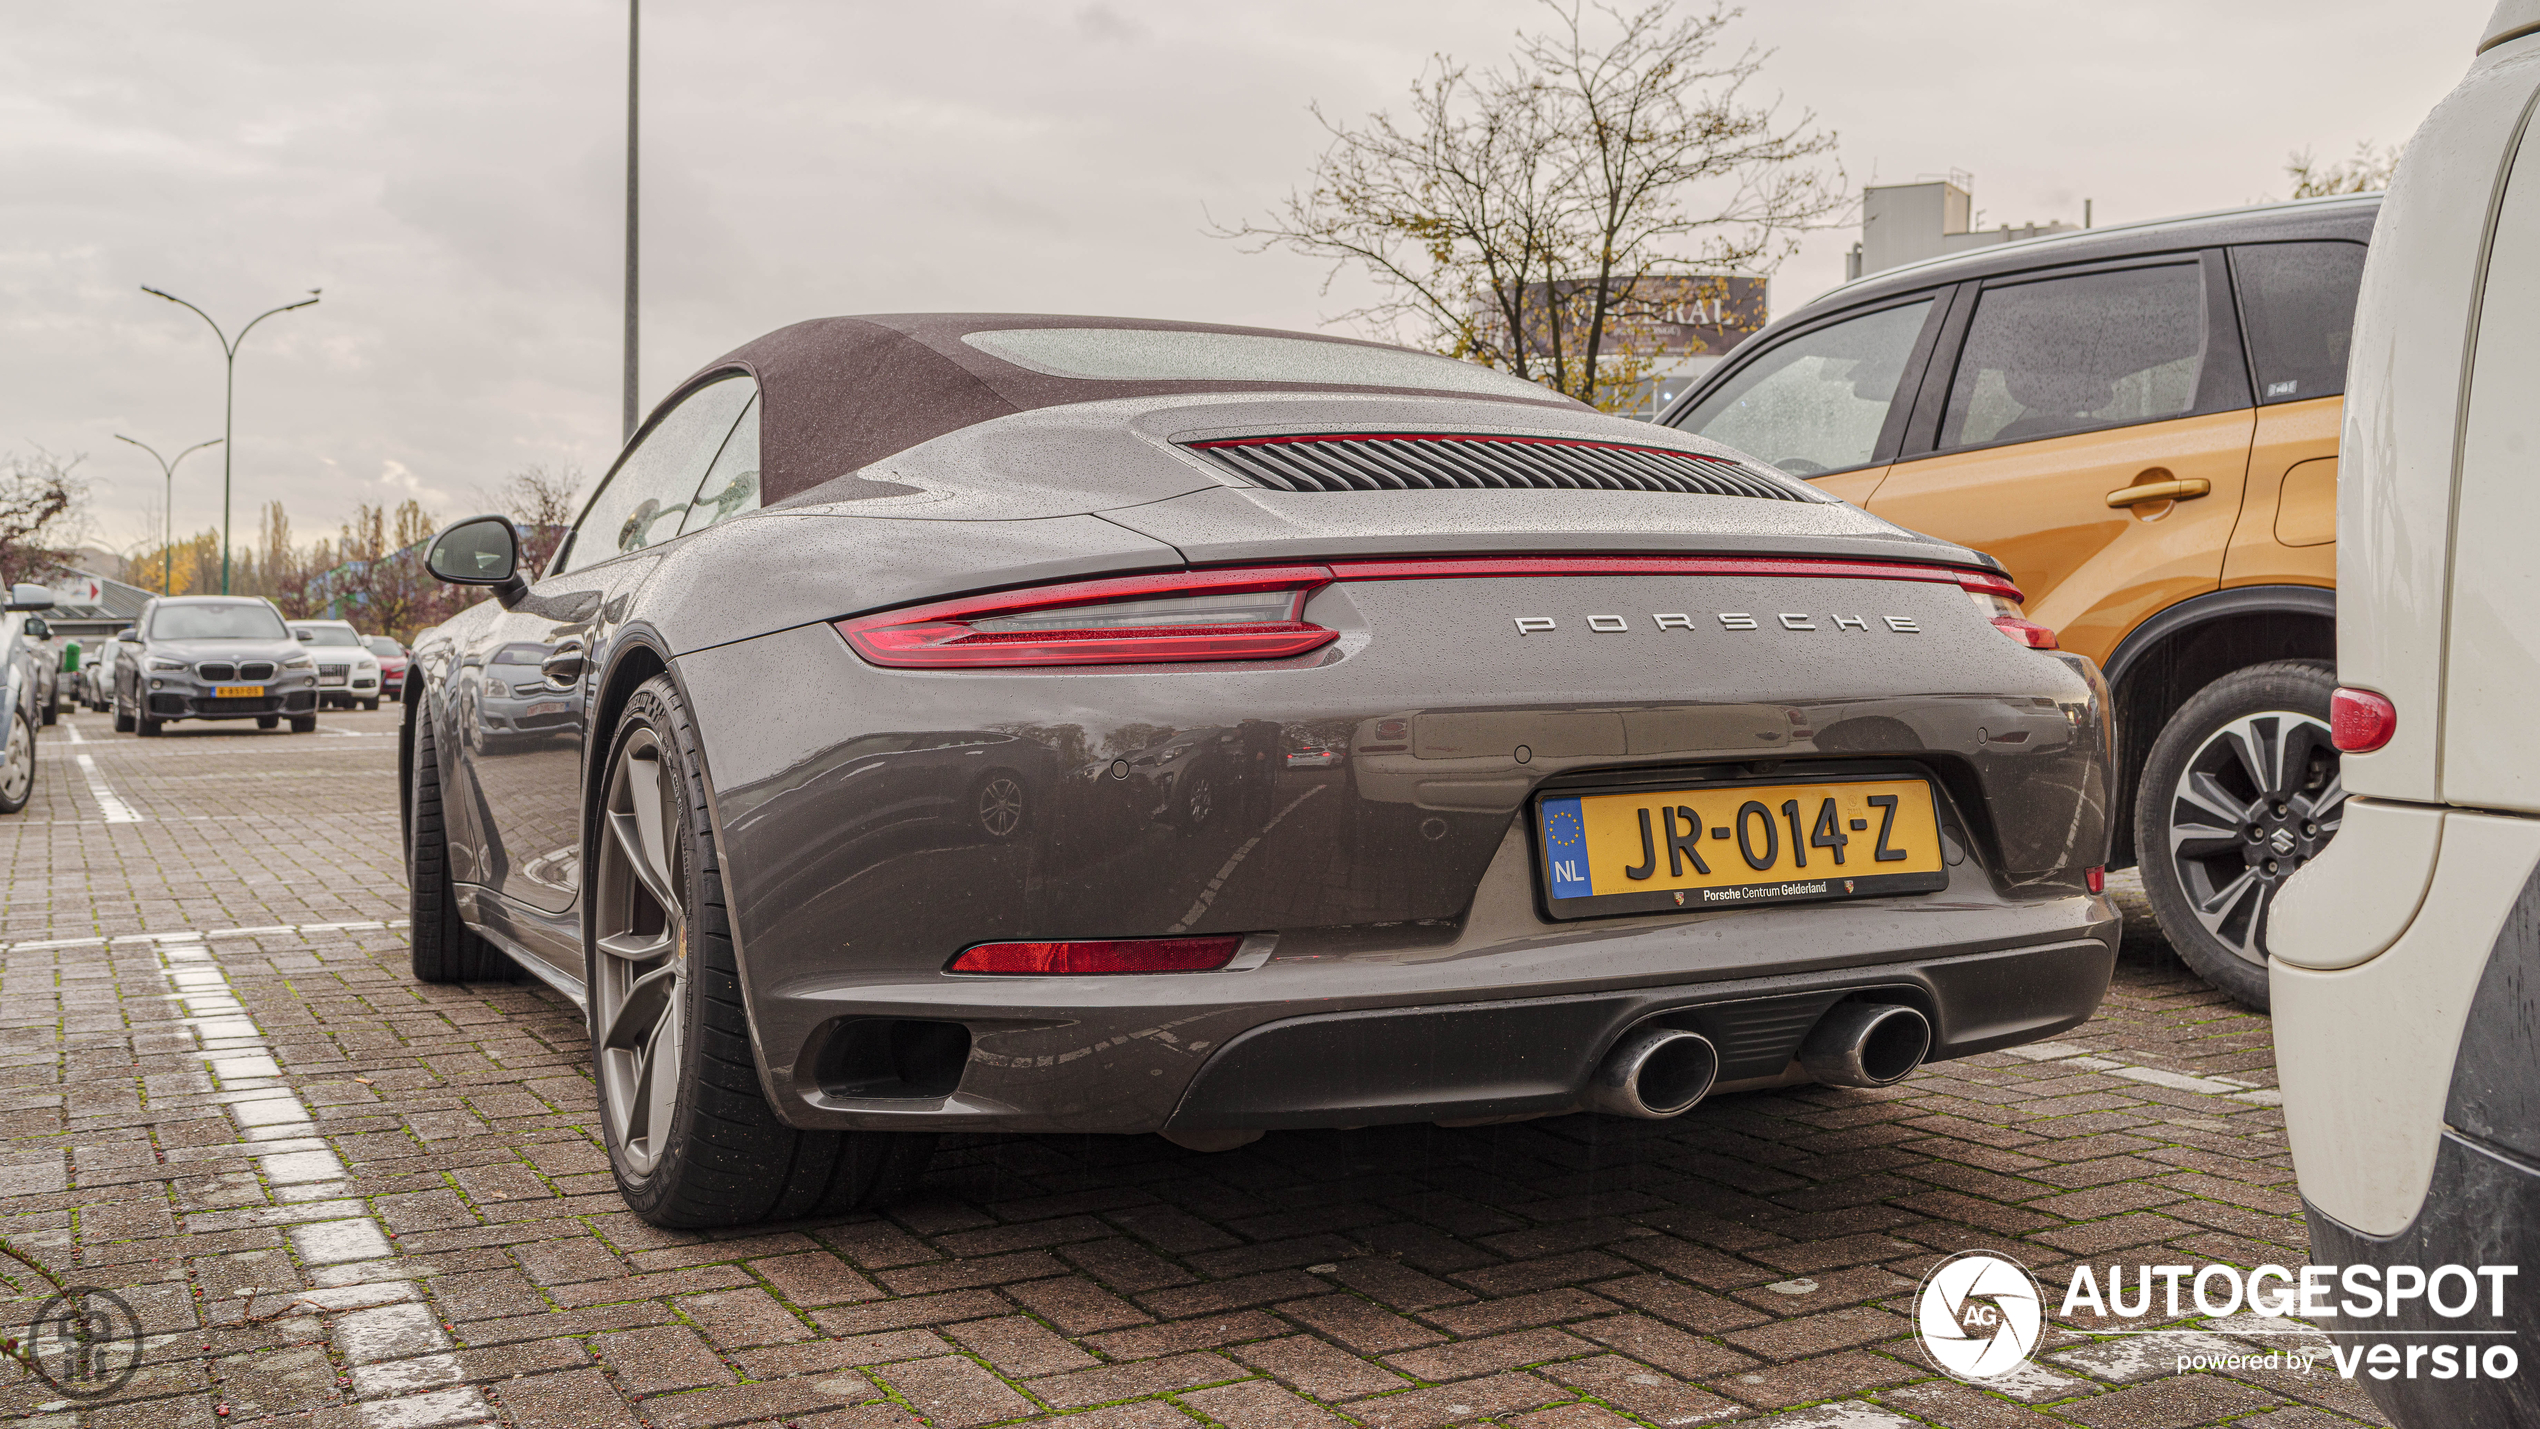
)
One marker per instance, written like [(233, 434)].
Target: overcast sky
[(452, 176)]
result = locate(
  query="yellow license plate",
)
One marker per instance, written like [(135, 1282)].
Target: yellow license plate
[(1721, 845), (238, 692)]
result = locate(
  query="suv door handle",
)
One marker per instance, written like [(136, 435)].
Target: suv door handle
[(2184, 489), (563, 665)]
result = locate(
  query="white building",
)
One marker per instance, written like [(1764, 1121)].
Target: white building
[(1906, 223)]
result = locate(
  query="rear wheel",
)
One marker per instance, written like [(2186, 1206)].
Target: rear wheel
[(445, 950), (2240, 790), (691, 1138), (17, 764)]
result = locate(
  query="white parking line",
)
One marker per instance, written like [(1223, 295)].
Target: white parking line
[(112, 804), (2087, 1060), (196, 935), (394, 1343)]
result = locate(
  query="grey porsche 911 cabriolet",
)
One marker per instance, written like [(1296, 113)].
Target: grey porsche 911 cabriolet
[(1052, 724)]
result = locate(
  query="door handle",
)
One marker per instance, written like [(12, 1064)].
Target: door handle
[(563, 665), (2182, 489)]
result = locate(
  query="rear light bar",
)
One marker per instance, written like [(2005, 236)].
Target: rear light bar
[(1109, 955), (2361, 721), (2000, 601), (1257, 613)]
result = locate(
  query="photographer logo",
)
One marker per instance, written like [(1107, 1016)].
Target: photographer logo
[(1979, 1314)]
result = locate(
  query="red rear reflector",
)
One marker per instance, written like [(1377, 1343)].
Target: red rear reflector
[(1114, 955), (2095, 879), (2027, 632), (2361, 721)]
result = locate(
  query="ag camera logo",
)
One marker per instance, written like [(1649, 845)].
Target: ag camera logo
[(1980, 1315)]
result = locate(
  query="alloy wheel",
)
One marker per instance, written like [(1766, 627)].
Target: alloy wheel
[(639, 977), (1001, 806), (17, 765), (2259, 798), (1199, 799)]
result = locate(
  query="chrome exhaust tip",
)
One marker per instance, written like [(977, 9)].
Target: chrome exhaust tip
[(1866, 1044), (1654, 1073)]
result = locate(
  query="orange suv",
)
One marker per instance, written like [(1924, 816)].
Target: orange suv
[(2141, 423)]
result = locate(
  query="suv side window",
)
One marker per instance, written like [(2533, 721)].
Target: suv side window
[(1816, 402), (644, 501), (2297, 307), (2049, 357)]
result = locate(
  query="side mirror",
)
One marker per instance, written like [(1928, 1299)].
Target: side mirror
[(482, 550), (305, 637), (26, 595), (36, 629), (129, 632)]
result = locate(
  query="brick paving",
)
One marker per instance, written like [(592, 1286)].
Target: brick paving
[(339, 1198)]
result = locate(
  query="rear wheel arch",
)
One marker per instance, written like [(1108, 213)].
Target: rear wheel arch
[(2162, 665)]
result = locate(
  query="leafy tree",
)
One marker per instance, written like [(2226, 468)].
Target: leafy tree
[(1536, 216)]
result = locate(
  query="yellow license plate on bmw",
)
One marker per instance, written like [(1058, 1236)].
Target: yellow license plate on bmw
[(1658, 849), (238, 692)]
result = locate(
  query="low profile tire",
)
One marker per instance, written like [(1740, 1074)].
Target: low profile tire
[(123, 717), (691, 1137), (2240, 790), (268, 721), (17, 764), (445, 950), (304, 724)]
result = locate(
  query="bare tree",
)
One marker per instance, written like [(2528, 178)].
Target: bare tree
[(43, 501), (1535, 217), (544, 500), (2370, 169)]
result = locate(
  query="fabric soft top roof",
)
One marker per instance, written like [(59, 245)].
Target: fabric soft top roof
[(842, 393)]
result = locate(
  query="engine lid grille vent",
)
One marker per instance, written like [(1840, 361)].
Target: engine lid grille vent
[(1438, 462)]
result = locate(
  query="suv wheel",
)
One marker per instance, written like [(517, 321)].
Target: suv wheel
[(691, 1138), (123, 717), (2240, 790)]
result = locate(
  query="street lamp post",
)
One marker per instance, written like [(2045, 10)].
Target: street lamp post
[(229, 400), (167, 518)]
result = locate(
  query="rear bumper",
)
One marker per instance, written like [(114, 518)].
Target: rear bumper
[(1338, 1029), (2483, 1208)]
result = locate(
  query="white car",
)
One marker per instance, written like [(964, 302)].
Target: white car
[(2406, 972), (348, 674)]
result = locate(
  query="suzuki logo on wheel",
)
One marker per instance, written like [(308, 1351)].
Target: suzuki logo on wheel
[(2281, 841), (1979, 1314)]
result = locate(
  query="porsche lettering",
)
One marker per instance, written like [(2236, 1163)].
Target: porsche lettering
[(1802, 621)]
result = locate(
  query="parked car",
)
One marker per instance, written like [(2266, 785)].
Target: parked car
[(19, 680), (213, 657), (2141, 423), (97, 671), (348, 673), (1618, 908), (38, 633), (2407, 956), (392, 659)]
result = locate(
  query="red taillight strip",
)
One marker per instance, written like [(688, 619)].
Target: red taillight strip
[(937, 635)]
